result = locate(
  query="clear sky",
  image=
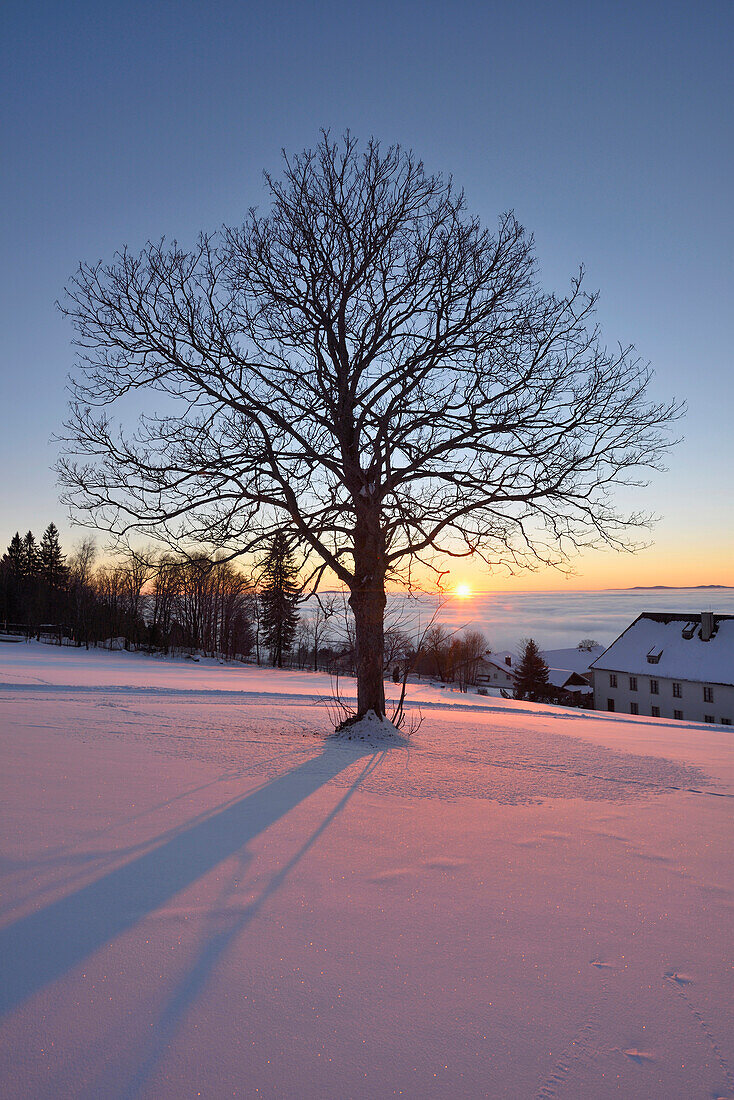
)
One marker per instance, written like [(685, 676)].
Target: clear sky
[(606, 126)]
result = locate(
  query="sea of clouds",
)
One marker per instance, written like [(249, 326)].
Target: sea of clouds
[(554, 619)]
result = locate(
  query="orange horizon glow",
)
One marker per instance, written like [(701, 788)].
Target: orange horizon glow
[(680, 567), (677, 559), (682, 563)]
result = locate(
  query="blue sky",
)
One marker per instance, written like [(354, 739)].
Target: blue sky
[(607, 127)]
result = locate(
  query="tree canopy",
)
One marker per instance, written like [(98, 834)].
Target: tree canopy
[(369, 369)]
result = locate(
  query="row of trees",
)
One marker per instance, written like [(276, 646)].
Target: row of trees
[(197, 604), (451, 657), (162, 602), (143, 599)]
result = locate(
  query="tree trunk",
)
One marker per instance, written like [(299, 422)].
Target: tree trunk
[(369, 610), (367, 602)]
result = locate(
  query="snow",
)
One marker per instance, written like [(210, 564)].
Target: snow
[(204, 892), (559, 676), (500, 659), (373, 728), (575, 660), (680, 658)]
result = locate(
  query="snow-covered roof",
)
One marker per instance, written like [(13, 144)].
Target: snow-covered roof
[(498, 660), (575, 660), (674, 644), (560, 678)]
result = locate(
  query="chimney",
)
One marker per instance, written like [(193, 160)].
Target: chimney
[(707, 625), (508, 661)]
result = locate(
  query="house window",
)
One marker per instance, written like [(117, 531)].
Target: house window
[(655, 712), (612, 679), (708, 718), (725, 721), (634, 708), (678, 714), (654, 687), (610, 704), (708, 694), (633, 685), (676, 690)]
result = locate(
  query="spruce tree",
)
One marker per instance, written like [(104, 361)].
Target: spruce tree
[(14, 557), (30, 558), (11, 578), (531, 681), (279, 599), (52, 563)]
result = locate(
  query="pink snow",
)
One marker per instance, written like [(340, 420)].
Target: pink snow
[(205, 894)]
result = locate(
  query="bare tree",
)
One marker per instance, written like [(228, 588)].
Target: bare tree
[(366, 367), (434, 652), (138, 569), (466, 652), (164, 594), (318, 622), (80, 593)]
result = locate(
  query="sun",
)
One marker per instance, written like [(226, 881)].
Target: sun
[(463, 591)]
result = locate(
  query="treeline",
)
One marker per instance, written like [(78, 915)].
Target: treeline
[(451, 657), (159, 602), (141, 600)]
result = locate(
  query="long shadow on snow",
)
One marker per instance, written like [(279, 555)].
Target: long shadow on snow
[(214, 947), (40, 948), (102, 858)]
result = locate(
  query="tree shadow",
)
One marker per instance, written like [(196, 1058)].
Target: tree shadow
[(80, 862), (38, 949), (215, 944)]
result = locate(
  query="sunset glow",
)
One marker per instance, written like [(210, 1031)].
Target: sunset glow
[(463, 591)]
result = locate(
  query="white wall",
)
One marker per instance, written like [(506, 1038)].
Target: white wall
[(691, 702), (490, 676)]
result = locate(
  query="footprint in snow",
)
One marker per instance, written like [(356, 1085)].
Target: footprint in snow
[(443, 864), (679, 979), (396, 875), (641, 1057)]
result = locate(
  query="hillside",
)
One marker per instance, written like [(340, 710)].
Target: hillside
[(206, 894)]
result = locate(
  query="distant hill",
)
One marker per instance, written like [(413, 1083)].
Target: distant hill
[(672, 587)]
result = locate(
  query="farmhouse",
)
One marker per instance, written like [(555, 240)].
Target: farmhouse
[(670, 665), (495, 670)]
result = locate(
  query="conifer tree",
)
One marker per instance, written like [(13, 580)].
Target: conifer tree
[(11, 578), (279, 599), (30, 558), (532, 674), (13, 558), (52, 563)]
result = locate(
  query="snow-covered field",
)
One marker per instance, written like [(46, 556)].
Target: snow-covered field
[(203, 894)]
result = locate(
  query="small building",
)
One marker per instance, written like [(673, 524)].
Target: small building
[(499, 670), (570, 687), (495, 670), (568, 672), (670, 665)]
